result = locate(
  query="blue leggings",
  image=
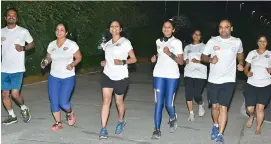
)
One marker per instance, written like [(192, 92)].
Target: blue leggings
[(60, 92), (164, 88)]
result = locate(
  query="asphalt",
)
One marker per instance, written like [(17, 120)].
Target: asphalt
[(139, 101)]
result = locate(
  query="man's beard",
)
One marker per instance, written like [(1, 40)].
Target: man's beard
[(225, 35), (11, 22)]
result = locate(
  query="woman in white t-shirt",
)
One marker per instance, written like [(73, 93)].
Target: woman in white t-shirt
[(195, 74), (166, 76), (257, 91), (115, 74), (64, 55)]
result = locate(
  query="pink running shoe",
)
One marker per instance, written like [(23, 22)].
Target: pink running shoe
[(71, 119), (57, 126)]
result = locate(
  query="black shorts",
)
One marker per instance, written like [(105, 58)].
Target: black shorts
[(194, 88), (119, 86), (220, 93), (257, 95)]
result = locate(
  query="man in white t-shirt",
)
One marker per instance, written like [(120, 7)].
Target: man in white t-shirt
[(13, 39), (223, 51)]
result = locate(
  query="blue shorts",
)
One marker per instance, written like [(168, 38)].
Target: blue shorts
[(11, 81)]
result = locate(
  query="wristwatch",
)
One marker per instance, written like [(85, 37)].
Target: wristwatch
[(123, 62)]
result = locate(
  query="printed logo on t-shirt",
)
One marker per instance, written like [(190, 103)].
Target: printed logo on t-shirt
[(118, 44), (216, 48), (53, 49), (267, 56), (3, 38), (233, 49), (254, 57), (189, 51), (65, 48)]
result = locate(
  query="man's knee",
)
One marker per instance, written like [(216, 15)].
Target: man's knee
[(260, 108), (5, 95), (15, 94)]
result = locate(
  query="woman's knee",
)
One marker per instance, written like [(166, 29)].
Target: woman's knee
[(54, 107), (119, 100), (215, 106), (65, 105)]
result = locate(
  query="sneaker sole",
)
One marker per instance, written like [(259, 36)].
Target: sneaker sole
[(11, 122), (55, 130), (103, 137), (219, 142), (155, 137), (73, 123)]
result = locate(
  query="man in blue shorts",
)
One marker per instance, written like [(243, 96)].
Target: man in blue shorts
[(13, 39)]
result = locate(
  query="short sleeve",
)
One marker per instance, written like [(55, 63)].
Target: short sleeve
[(27, 37), (185, 53), (202, 48), (127, 45), (75, 47), (178, 46), (240, 47), (50, 47), (250, 56), (208, 48)]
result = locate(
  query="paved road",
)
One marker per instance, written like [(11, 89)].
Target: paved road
[(86, 102)]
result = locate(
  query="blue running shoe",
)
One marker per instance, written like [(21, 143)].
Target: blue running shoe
[(214, 132), (103, 133), (120, 127), (220, 139)]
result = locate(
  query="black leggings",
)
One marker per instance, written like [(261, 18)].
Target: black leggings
[(194, 88)]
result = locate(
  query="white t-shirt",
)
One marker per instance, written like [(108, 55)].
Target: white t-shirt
[(12, 60), (226, 50), (194, 70), (259, 63), (62, 57), (118, 50), (165, 66)]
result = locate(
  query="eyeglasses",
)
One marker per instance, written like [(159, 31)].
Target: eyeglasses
[(195, 34)]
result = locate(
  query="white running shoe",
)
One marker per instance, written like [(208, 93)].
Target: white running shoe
[(201, 110), (191, 117)]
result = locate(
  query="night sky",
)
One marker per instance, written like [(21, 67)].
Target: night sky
[(206, 16)]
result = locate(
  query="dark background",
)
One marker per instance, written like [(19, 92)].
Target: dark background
[(88, 21)]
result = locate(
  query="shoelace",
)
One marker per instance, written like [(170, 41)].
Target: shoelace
[(24, 113), (57, 124), (119, 125), (171, 122), (103, 132), (156, 132), (69, 116), (9, 117)]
